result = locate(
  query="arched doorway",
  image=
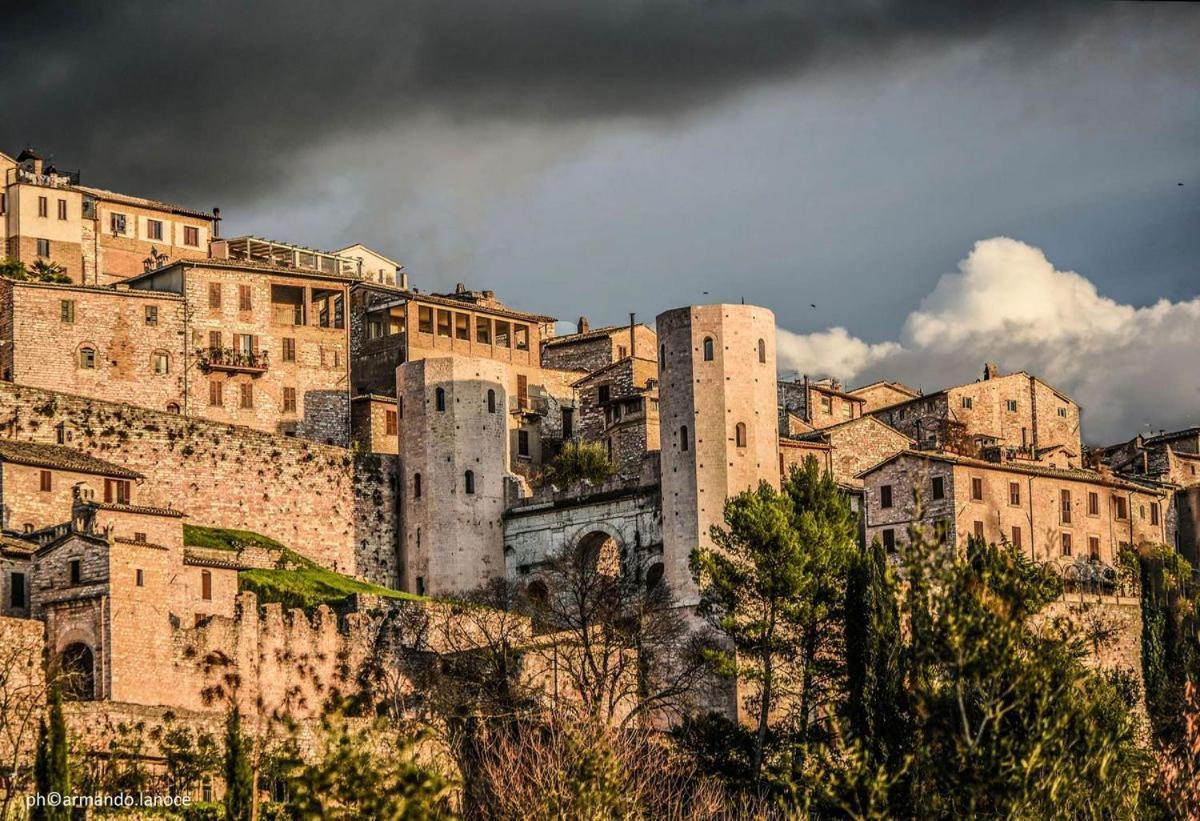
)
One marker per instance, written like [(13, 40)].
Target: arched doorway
[(599, 551), (79, 672)]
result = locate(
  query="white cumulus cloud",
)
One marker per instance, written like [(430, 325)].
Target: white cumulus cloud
[(1132, 369)]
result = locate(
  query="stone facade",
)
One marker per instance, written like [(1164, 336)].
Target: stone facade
[(717, 409), (618, 406), (1016, 413), (857, 445), (1058, 516), (374, 421), (334, 507), (592, 349), (878, 395), (817, 404), (119, 345)]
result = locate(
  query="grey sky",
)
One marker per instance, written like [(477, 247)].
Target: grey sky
[(600, 158)]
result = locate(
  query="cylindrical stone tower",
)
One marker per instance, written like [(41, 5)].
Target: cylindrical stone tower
[(717, 421)]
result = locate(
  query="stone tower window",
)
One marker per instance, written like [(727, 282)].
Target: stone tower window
[(491, 400), (469, 481), (662, 357), (87, 358), (206, 585), (161, 361), (708, 349), (762, 351), (416, 486), (440, 399), (739, 434), (683, 438)]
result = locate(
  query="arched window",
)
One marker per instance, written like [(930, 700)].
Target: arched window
[(762, 351), (708, 349), (172, 407), (469, 481), (87, 358), (537, 592), (683, 437), (491, 401), (739, 434), (160, 361), (416, 486), (440, 398), (654, 575)]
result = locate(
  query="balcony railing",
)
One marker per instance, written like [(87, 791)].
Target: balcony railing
[(535, 405), (232, 360)]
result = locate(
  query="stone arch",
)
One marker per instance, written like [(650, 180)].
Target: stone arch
[(600, 546), (77, 662)]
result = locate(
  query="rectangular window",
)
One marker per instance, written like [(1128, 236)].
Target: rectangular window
[(75, 570), (289, 349), (443, 323), (848, 410), (246, 395), (62, 209), (389, 423), (976, 489), (45, 481), (1012, 405), (1094, 548), (139, 537), (116, 491), (43, 247), (978, 528), (602, 395), (151, 314), (502, 336), (522, 443), (191, 235), (1014, 493), (1016, 536), (967, 402), (1066, 544), (523, 390), (939, 487), (1064, 498), (141, 579), (425, 319), (214, 295), (206, 585), (216, 396), (244, 298), (483, 330), (214, 339), (1062, 412), (1154, 513), (1122, 510), (43, 207), (885, 496), (289, 400), (16, 587), (462, 327), (521, 337), (116, 223), (1093, 503), (67, 311), (889, 540), (154, 229), (826, 404)]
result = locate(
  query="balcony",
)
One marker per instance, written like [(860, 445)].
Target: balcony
[(50, 179), (231, 360), (530, 405)]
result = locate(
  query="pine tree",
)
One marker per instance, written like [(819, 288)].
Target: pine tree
[(239, 787)]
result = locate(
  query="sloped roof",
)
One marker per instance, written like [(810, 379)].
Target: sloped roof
[(61, 458), (144, 202), (821, 433)]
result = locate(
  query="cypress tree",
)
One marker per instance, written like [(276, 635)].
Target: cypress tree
[(239, 787), (51, 767)]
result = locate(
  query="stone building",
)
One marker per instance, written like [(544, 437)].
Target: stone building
[(849, 448), (882, 393), (717, 410), (807, 405), (1016, 414), (120, 345), (98, 237), (590, 349), (618, 406), (374, 266), (38, 483), (1062, 516), (264, 346)]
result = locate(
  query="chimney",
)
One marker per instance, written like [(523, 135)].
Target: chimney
[(582, 325), (216, 229), (632, 334), (403, 279), (990, 370), (807, 401), (460, 288)]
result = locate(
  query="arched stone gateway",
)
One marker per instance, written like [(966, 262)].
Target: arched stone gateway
[(600, 550), (79, 672)]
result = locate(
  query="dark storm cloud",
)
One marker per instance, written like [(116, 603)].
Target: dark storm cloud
[(212, 99)]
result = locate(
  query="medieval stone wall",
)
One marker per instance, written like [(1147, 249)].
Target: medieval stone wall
[(322, 501)]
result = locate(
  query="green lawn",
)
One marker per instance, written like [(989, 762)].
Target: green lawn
[(224, 538), (301, 582)]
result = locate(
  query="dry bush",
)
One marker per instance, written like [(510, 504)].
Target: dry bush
[(1178, 770)]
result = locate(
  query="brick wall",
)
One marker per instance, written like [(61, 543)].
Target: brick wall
[(322, 501)]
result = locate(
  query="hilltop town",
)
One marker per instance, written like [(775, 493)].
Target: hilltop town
[(164, 386)]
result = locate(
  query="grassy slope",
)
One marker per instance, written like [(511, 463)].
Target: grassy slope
[(296, 582)]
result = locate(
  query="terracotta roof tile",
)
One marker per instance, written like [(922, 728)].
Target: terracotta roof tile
[(60, 457)]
